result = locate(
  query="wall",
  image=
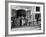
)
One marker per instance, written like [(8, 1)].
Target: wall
[(2, 18)]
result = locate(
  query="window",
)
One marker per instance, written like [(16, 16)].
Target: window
[(37, 9)]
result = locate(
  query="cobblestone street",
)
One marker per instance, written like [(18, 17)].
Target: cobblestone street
[(26, 28)]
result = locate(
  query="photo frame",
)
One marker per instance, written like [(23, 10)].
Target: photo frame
[(24, 18)]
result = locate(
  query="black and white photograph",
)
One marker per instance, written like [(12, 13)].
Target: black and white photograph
[(24, 18)]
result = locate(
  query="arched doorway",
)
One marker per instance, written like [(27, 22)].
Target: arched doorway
[(21, 13)]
